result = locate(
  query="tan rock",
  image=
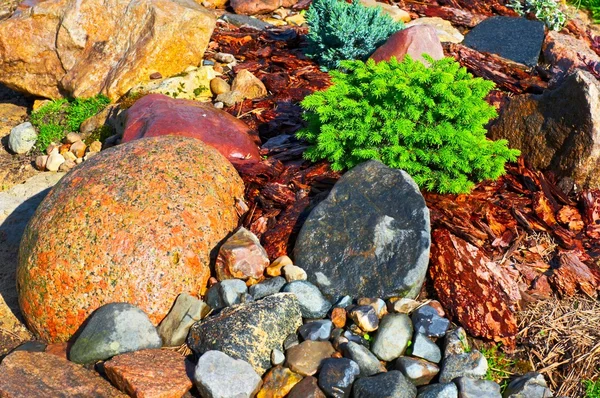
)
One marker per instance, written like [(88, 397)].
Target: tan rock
[(67, 165), (40, 162), (248, 85), (278, 382), (274, 21), (241, 257), (306, 357), (294, 273), (78, 149), (274, 269), (55, 159), (395, 12), (297, 19), (149, 373), (69, 156), (45, 375), (219, 86), (444, 29), (72, 138), (193, 84), (230, 98), (99, 47), (95, 147)]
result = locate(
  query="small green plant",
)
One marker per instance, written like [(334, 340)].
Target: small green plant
[(428, 121), (547, 11), (338, 31), (593, 6), (499, 366), (592, 388), (62, 116)]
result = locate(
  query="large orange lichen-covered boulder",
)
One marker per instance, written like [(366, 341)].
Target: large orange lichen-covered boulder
[(136, 223)]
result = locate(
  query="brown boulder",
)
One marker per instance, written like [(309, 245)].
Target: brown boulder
[(149, 373), (567, 52), (557, 130), (157, 115), (81, 49), (414, 41), (26, 374), (136, 223), (254, 7)]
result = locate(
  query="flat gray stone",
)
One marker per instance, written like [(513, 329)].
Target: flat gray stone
[(472, 364), (368, 363), (530, 385), (217, 375), (226, 293), (517, 39), (267, 287), (424, 348), (316, 330), (439, 390), (248, 331), (114, 329), (426, 320), (418, 371), (312, 303), (474, 388), (369, 238), (391, 340), (385, 385), (186, 311), (337, 376)]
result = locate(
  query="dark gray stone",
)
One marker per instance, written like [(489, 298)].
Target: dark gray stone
[(385, 385), (517, 39), (471, 364), (290, 341), (31, 346), (217, 375), (476, 388), (424, 348), (418, 371), (439, 390), (369, 238), (248, 331), (357, 339), (244, 20), (312, 303), (368, 363), (456, 342), (391, 340), (530, 385), (343, 302), (316, 330), (365, 317), (266, 288), (336, 377), (226, 293), (426, 320), (114, 329)]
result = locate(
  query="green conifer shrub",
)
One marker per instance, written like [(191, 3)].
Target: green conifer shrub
[(426, 121), (338, 31)]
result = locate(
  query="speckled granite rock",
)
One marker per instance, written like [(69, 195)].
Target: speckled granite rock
[(26, 374), (273, 318), (140, 217), (149, 373), (369, 238)]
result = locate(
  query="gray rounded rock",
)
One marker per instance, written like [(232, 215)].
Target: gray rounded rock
[(337, 376), (369, 238), (226, 293), (385, 385), (114, 329), (424, 348), (391, 340), (418, 371), (316, 330), (368, 363), (266, 288), (217, 375), (439, 390), (426, 320), (312, 303), (471, 364), (469, 387), (22, 138), (530, 385)]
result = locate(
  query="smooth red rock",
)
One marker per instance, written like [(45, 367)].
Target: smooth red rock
[(149, 373), (469, 291), (156, 115), (241, 257), (136, 223), (38, 374), (413, 41), (307, 388)]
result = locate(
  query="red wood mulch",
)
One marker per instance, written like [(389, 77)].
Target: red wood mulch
[(509, 241)]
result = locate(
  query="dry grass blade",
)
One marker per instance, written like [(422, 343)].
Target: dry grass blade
[(562, 337)]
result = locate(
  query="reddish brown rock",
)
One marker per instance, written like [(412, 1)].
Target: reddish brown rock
[(469, 290), (26, 374), (241, 257), (156, 115), (254, 7), (338, 317), (136, 223), (58, 349), (278, 382), (573, 276), (149, 373), (567, 52), (413, 41), (306, 357), (307, 388)]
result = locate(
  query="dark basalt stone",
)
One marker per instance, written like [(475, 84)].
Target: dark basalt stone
[(517, 39), (369, 238)]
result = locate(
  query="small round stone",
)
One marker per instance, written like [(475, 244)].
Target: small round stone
[(312, 302), (277, 357), (365, 317)]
